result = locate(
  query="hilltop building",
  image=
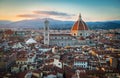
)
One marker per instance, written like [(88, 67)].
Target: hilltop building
[(79, 35)]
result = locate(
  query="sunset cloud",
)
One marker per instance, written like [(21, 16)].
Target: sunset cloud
[(47, 14), (53, 13), (27, 15)]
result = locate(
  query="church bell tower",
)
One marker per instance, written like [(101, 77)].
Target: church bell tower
[(46, 32)]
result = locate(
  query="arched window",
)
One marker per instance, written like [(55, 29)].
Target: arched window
[(80, 34), (46, 28)]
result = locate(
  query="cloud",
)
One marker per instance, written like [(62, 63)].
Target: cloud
[(27, 15), (47, 14), (53, 13)]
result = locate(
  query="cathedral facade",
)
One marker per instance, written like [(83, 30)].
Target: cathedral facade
[(78, 36)]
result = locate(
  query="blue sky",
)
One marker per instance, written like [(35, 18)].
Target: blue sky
[(91, 10)]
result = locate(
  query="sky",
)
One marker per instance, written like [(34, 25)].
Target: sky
[(68, 10)]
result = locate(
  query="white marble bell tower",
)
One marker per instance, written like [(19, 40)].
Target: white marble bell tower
[(46, 32)]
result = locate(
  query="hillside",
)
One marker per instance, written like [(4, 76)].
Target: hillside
[(57, 24)]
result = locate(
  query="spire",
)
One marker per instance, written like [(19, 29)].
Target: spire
[(80, 16)]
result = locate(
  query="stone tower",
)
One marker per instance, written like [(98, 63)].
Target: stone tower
[(46, 32)]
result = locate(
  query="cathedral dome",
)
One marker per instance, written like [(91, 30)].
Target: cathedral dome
[(79, 25)]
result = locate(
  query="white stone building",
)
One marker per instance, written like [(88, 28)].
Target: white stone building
[(31, 57), (57, 63), (81, 63)]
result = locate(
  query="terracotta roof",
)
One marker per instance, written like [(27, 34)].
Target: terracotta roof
[(9, 32), (80, 25), (80, 60), (90, 72), (22, 74), (60, 35), (22, 59)]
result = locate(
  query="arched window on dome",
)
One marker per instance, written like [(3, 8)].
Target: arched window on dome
[(80, 34), (74, 34)]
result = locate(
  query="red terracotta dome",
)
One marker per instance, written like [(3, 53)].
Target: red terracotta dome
[(79, 25)]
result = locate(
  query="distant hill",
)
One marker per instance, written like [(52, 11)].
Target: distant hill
[(57, 24), (2, 22), (104, 25)]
